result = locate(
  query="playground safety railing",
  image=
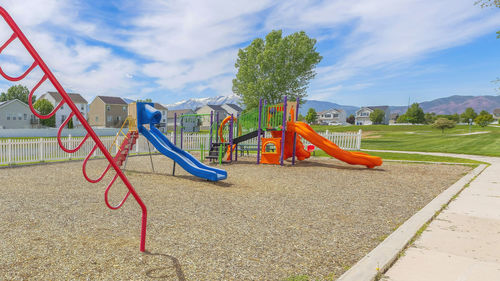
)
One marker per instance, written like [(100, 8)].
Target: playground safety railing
[(75, 112)]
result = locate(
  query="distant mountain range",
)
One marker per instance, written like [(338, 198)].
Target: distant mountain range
[(448, 105)]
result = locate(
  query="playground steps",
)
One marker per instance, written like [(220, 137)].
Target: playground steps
[(127, 145), (213, 154)]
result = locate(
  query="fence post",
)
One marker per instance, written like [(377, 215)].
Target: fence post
[(69, 145), (40, 148), (9, 151), (358, 145)]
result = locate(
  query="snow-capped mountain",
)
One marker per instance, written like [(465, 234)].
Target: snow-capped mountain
[(199, 102)]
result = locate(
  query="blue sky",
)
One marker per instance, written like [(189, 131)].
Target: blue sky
[(374, 52)]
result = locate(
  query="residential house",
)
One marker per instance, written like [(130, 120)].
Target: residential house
[(393, 118), (109, 112), (496, 114), (15, 114), (363, 115), (216, 109), (54, 98), (163, 122), (189, 126), (232, 108), (332, 116)]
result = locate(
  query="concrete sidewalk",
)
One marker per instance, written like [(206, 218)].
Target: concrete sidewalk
[(463, 242)]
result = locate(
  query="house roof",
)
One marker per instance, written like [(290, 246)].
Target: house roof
[(170, 113), (383, 107), (216, 107), (496, 111), (330, 110), (76, 98), (159, 106), (234, 106), (112, 100), (5, 103)]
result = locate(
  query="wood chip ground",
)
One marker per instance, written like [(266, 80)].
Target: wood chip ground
[(262, 223)]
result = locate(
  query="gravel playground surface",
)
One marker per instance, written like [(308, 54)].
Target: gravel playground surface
[(263, 223)]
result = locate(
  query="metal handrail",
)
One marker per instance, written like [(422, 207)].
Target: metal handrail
[(38, 61)]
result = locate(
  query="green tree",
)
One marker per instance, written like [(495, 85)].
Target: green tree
[(429, 117), (443, 123), (351, 119), (402, 119), (484, 118), (489, 3), (301, 118), (468, 115), (44, 107), (70, 124), (415, 114), (19, 92), (311, 116), (145, 100), (276, 66), (377, 116)]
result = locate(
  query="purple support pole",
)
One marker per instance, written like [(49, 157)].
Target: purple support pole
[(237, 134), (211, 129), (231, 139), (175, 139), (217, 131), (258, 132), (182, 129), (295, 133), (175, 128), (283, 129)]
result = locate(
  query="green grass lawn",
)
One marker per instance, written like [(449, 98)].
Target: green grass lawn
[(411, 157), (426, 138)]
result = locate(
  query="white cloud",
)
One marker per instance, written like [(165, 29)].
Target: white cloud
[(191, 46)]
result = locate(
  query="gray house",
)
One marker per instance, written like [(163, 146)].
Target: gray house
[(332, 116), (216, 109), (232, 108), (189, 125), (363, 115), (15, 114)]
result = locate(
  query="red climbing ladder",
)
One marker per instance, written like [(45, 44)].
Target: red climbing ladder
[(114, 162)]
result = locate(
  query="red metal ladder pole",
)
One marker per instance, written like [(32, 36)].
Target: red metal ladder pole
[(66, 99)]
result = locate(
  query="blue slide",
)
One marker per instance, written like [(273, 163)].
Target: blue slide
[(147, 114)]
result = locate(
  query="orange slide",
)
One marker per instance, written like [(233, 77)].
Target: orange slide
[(353, 158)]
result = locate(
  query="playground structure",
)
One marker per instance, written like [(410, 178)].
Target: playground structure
[(286, 132), (115, 162)]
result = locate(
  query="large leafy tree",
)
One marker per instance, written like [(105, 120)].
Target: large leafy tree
[(377, 116), (415, 114), (276, 66), (468, 115), (44, 107), (484, 118), (19, 92), (443, 123), (311, 116)]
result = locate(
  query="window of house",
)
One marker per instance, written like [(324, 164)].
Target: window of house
[(335, 115), (25, 116), (14, 117), (119, 118), (110, 118), (62, 106), (124, 108), (82, 107), (97, 118), (8, 116), (108, 108)]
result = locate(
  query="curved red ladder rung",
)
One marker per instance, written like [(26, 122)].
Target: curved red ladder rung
[(59, 136), (106, 195), (10, 78), (84, 168), (30, 101)]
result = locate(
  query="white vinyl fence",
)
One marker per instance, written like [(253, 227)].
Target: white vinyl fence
[(19, 151)]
